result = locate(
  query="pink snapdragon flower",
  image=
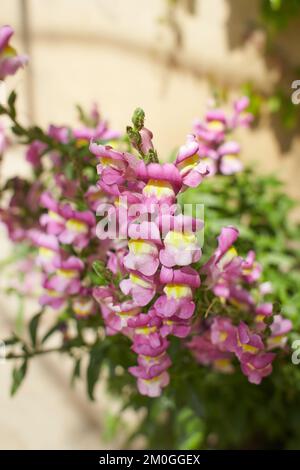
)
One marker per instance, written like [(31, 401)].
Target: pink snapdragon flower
[(153, 380), (114, 170), (207, 353), (143, 245), (224, 334), (178, 293), (52, 220), (10, 62), (180, 249), (279, 330), (226, 271), (192, 169), (59, 133), (34, 152), (71, 226), (142, 288), (78, 228), (257, 366), (162, 181), (49, 250)]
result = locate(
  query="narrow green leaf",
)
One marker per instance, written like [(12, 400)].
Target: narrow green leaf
[(76, 371), (18, 376), (94, 367), (33, 326)]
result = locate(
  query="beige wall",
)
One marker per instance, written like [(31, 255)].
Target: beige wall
[(121, 54)]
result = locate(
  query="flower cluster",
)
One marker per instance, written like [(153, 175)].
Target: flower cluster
[(149, 282), (219, 339), (162, 246), (219, 154)]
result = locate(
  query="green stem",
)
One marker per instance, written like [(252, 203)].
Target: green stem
[(38, 352)]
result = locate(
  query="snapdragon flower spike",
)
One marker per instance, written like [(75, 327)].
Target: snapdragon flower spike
[(10, 61), (167, 241), (219, 155), (226, 271)]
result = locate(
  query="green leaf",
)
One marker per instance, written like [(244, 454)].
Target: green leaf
[(11, 103), (76, 371), (94, 367), (33, 325), (18, 376)]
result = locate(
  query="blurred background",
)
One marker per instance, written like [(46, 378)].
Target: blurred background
[(169, 57)]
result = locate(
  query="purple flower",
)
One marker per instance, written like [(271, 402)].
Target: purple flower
[(177, 301), (34, 152), (189, 163), (143, 257), (141, 288), (256, 367), (10, 62), (49, 252), (59, 133), (279, 330)]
